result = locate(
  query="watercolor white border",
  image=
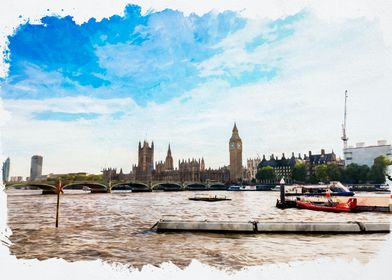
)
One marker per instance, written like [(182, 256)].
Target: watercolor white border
[(12, 268)]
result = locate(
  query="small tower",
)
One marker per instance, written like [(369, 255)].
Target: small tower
[(145, 162)]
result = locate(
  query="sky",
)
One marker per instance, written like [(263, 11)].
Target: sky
[(82, 83)]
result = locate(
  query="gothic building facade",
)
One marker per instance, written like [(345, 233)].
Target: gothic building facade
[(190, 170), (112, 174), (251, 168), (167, 165), (143, 170)]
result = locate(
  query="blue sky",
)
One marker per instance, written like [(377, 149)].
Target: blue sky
[(87, 90), (152, 57)]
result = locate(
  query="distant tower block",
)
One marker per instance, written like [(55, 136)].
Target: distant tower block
[(235, 148), (6, 170), (36, 167)]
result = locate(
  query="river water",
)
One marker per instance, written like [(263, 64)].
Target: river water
[(115, 228)]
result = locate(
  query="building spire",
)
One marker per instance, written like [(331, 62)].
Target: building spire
[(235, 130), (169, 150), (235, 136)]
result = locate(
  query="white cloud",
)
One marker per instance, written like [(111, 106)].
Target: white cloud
[(300, 110)]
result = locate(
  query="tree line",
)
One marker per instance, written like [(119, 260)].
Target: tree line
[(350, 174), (77, 177)]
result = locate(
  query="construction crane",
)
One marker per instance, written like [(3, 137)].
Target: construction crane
[(344, 137)]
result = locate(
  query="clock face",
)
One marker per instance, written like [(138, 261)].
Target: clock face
[(231, 146), (239, 145)]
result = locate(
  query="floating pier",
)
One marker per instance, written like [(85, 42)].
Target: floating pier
[(272, 227)]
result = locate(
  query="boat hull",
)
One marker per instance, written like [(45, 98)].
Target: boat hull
[(340, 207)]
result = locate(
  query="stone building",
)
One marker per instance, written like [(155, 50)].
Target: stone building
[(282, 167), (111, 174), (251, 168), (16, 179), (191, 170), (167, 165), (312, 160), (235, 149), (143, 171), (188, 170), (222, 174)]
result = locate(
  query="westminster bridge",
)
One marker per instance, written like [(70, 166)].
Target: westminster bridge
[(107, 187)]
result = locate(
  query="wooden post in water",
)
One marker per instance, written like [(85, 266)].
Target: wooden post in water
[(282, 196), (58, 189)]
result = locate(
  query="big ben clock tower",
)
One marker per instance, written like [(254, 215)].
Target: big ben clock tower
[(235, 148)]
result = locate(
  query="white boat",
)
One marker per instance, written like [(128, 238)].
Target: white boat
[(242, 188), (334, 189)]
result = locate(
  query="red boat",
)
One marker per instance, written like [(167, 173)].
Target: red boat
[(329, 206)]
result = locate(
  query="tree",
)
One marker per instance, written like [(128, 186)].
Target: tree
[(266, 173), (363, 172), (379, 171), (298, 173), (313, 179), (322, 173), (334, 172), (351, 174)]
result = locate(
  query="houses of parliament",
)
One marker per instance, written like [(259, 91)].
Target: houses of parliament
[(187, 170)]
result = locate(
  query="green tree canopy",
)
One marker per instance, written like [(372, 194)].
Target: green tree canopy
[(299, 172), (379, 171), (334, 172), (322, 173), (266, 173), (351, 173)]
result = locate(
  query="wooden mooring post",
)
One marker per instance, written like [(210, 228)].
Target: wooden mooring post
[(282, 193), (58, 190)]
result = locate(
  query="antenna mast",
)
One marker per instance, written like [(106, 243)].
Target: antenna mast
[(344, 137)]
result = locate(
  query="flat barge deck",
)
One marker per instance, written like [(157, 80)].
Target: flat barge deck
[(272, 227)]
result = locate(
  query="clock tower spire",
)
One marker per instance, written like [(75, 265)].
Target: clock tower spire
[(235, 149)]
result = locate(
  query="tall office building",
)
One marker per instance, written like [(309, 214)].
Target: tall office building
[(6, 170), (36, 167)]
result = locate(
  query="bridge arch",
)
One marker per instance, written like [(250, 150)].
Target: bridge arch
[(218, 186), (196, 186), (133, 186), (121, 187), (42, 186), (168, 186), (95, 187)]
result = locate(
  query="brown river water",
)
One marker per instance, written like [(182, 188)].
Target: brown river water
[(115, 228)]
